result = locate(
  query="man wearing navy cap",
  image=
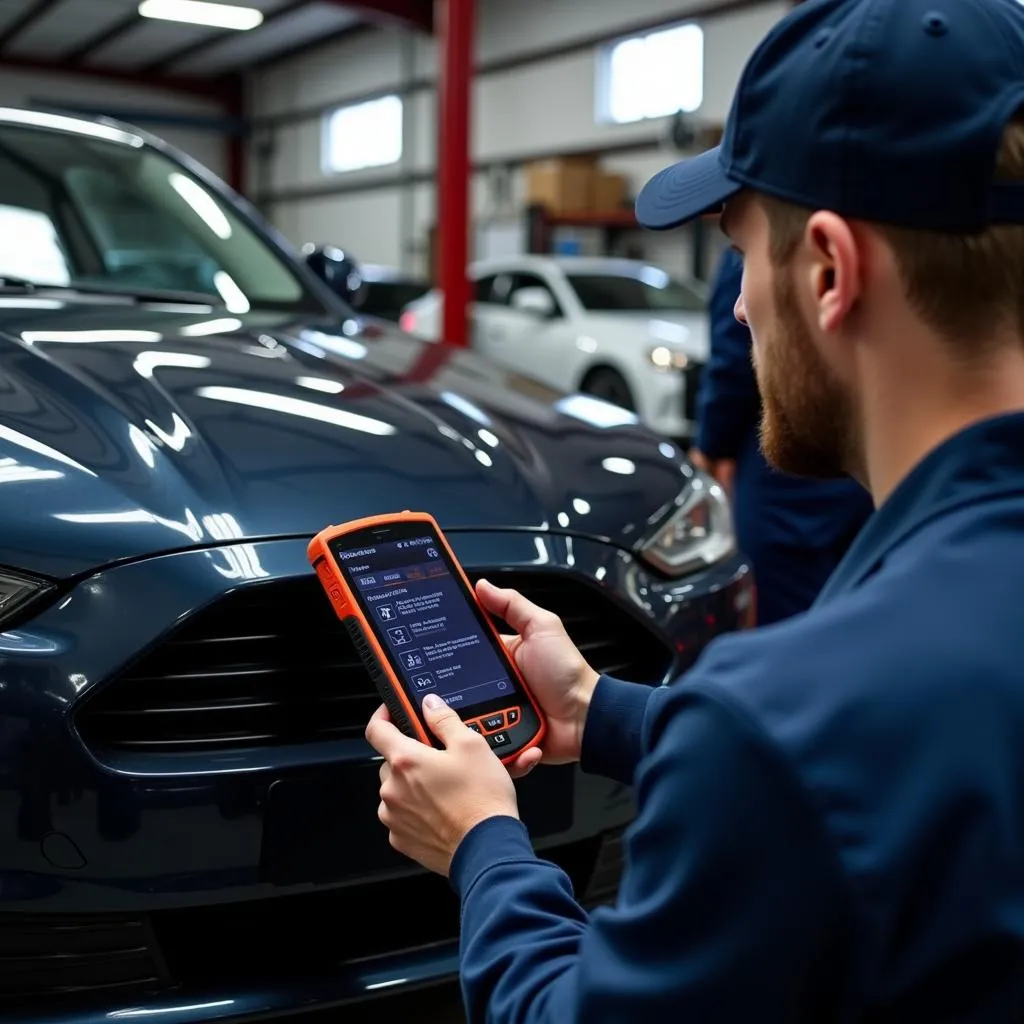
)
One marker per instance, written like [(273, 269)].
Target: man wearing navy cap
[(830, 815)]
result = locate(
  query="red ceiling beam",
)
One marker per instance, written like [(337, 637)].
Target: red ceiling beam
[(205, 88), (418, 14)]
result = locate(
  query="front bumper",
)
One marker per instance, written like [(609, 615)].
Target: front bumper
[(668, 404), (200, 886)]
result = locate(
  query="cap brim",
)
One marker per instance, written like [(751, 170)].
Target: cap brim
[(685, 191)]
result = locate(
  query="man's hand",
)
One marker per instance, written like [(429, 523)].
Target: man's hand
[(556, 673), (430, 799), (699, 459), (723, 470)]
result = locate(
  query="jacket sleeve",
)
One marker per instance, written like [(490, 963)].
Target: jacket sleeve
[(732, 906), (613, 737), (729, 406)]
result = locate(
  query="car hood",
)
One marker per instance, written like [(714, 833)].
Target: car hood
[(126, 431), (687, 332)]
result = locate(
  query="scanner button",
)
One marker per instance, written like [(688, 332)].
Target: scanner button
[(513, 716), (475, 726), (492, 722), (498, 739)]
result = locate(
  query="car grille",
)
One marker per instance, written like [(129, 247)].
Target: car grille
[(68, 957), (271, 664), (48, 960), (299, 935), (693, 375)]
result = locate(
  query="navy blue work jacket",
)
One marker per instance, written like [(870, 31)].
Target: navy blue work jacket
[(830, 818)]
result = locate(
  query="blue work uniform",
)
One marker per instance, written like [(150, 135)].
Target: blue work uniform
[(794, 530), (830, 819)]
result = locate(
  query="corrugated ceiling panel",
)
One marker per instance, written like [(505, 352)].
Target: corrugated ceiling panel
[(67, 26), (11, 10), (303, 25)]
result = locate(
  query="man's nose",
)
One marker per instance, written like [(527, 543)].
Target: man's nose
[(740, 311)]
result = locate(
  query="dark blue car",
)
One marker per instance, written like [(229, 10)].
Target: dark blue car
[(190, 828)]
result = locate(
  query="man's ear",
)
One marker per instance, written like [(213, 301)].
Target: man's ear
[(834, 268)]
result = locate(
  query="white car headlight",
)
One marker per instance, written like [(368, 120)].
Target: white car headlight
[(665, 358), (698, 533), (17, 589)]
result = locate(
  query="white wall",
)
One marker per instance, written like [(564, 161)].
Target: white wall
[(540, 108), (20, 88)]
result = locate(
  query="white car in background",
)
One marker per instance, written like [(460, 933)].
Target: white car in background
[(621, 330)]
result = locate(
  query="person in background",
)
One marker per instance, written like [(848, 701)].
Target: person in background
[(795, 530)]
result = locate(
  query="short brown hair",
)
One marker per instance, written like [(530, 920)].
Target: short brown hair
[(961, 285)]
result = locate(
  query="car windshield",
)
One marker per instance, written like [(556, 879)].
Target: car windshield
[(106, 213), (650, 289)]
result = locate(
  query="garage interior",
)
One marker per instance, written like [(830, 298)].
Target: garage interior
[(267, 108), (391, 144)]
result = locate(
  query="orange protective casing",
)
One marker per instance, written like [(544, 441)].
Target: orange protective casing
[(345, 606)]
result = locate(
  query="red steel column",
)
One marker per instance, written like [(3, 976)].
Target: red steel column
[(455, 34), (235, 142)]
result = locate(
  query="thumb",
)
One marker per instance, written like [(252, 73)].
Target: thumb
[(444, 723), (519, 612)]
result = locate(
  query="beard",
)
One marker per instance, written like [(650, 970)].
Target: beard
[(807, 417)]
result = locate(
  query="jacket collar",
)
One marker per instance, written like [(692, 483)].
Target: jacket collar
[(981, 462)]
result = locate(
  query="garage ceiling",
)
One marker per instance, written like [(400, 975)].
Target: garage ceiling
[(111, 35)]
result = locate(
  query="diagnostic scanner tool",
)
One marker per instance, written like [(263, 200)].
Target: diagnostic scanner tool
[(415, 621)]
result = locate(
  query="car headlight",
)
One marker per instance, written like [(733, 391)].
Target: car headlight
[(698, 533), (16, 590), (665, 358)]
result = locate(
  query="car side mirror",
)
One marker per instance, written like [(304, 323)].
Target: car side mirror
[(535, 302), (338, 269)]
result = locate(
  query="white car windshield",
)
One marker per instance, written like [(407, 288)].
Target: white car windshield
[(652, 291)]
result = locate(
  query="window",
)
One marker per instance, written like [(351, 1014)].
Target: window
[(30, 246), (156, 227), (485, 288), (501, 288), (363, 135), (654, 75), (91, 213), (534, 281), (651, 290)]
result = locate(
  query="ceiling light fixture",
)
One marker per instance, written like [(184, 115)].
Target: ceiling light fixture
[(202, 12)]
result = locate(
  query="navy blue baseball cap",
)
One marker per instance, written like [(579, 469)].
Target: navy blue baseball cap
[(883, 110)]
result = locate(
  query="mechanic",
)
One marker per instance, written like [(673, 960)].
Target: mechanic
[(794, 530), (830, 821)]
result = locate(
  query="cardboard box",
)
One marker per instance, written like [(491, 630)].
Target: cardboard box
[(563, 185), (609, 192)]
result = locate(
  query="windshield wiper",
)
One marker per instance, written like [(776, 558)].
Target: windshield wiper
[(140, 294), (10, 283), (16, 284)]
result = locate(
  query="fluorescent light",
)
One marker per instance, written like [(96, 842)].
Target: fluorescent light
[(222, 325), (328, 387), (203, 204), (624, 467), (82, 337), (233, 296), (147, 362), (200, 12), (298, 407)]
